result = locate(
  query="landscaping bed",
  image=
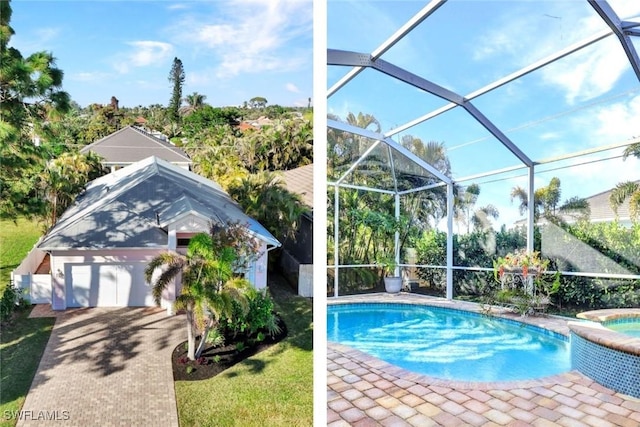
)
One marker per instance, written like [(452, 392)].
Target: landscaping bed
[(215, 360)]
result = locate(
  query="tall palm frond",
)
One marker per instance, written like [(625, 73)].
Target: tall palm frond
[(626, 190)]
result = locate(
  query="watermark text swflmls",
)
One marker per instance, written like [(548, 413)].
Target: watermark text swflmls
[(37, 415)]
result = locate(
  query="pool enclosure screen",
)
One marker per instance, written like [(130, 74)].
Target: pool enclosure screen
[(460, 130)]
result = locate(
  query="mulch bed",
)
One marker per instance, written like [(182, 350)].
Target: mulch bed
[(215, 360)]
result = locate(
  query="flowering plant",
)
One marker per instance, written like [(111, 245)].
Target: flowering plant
[(520, 261)]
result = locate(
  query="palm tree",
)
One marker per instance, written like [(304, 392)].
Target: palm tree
[(547, 199), (264, 197), (626, 190), (194, 102), (209, 284), (364, 121), (428, 206), (466, 213), (64, 177), (629, 189)]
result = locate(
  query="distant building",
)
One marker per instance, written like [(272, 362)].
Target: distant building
[(132, 144), (296, 261), (600, 211)]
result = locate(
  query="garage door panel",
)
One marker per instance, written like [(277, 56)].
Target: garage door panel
[(78, 285), (140, 290), (107, 285)]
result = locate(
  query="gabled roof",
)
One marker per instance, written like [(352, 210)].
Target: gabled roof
[(131, 208), (131, 144), (300, 181), (601, 208)]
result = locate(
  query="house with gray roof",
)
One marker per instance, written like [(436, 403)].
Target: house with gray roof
[(600, 210), (99, 248), (296, 260), (132, 144)]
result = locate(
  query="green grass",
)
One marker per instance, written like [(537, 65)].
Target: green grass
[(22, 343), (22, 340), (16, 240), (272, 388)]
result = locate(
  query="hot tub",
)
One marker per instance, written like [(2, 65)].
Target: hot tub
[(608, 356)]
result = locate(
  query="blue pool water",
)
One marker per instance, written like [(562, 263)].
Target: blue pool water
[(449, 344), (627, 326)]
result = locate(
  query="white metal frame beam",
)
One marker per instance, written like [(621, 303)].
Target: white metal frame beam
[(340, 57), (610, 17), (423, 14), (346, 127), (507, 79)]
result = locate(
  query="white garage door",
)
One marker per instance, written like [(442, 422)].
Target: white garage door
[(107, 285)]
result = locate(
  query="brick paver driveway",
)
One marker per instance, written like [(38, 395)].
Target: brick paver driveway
[(107, 367)]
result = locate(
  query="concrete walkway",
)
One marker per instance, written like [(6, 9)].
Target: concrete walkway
[(106, 367), (366, 391)]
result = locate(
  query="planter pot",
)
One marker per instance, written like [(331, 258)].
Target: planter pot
[(393, 285)]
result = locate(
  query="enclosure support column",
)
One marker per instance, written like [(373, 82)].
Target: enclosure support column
[(396, 241), (530, 210), (449, 241), (336, 257)]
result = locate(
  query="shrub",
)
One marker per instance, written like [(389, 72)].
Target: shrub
[(259, 316), (11, 299)]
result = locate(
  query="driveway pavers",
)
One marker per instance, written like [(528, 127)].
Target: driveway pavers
[(106, 367)]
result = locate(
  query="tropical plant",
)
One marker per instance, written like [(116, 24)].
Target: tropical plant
[(264, 197), (194, 102), (257, 102), (466, 213), (521, 261), (628, 190), (64, 177), (210, 284), (546, 201), (30, 89)]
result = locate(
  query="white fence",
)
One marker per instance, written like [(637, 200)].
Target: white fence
[(36, 288)]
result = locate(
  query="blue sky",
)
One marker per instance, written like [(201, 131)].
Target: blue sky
[(586, 100), (231, 51)]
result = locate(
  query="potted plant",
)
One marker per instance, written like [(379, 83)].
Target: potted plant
[(525, 269), (392, 282)]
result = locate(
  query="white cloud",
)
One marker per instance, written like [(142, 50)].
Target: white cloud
[(589, 73), (89, 76), (178, 6), (252, 36), (619, 122), (144, 53), (583, 75), (292, 88)]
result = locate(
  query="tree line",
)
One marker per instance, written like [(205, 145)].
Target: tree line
[(367, 221), (42, 130)]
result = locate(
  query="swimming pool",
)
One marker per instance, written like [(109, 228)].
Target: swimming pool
[(449, 344), (626, 325)]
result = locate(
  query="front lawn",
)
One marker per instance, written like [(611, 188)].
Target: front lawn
[(272, 388), (22, 343), (16, 240)]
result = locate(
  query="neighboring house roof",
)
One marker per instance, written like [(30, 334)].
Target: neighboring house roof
[(244, 126), (300, 181), (131, 144), (600, 210), (131, 208)]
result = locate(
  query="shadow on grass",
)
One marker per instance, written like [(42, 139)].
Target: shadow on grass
[(296, 311), (22, 343)]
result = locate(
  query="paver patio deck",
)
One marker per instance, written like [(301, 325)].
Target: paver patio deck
[(365, 391), (106, 367)]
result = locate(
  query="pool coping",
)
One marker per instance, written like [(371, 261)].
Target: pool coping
[(596, 332), (555, 324)]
